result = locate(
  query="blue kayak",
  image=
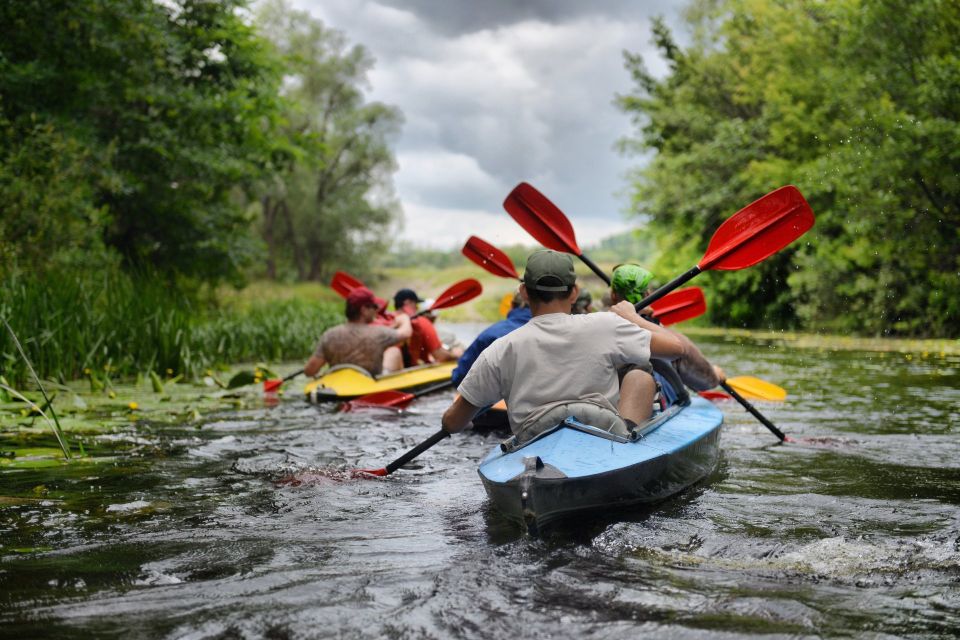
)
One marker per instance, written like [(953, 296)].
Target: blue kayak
[(575, 467)]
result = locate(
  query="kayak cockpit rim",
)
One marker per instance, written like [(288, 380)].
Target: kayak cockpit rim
[(652, 424)]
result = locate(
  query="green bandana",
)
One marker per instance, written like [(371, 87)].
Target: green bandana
[(630, 281)]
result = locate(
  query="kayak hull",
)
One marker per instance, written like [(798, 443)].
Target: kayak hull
[(571, 470), (345, 382)]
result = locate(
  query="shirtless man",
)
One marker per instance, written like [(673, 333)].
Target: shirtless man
[(361, 342), (594, 366)]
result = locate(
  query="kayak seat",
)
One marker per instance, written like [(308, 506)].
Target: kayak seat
[(585, 412)]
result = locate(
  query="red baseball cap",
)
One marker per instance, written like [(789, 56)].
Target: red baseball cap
[(361, 297)]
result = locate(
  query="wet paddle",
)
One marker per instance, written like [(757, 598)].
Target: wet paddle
[(405, 458), (393, 399), (676, 307), (546, 223), (273, 384)]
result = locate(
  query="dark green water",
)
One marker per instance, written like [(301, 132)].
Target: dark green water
[(855, 532)]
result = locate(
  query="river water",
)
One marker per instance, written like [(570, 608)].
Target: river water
[(853, 532)]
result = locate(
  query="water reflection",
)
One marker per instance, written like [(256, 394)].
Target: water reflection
[(856, 532)]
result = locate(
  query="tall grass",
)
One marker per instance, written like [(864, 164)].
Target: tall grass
[(124, 325)]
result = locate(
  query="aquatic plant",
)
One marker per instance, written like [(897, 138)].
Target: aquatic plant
[(55, 424)]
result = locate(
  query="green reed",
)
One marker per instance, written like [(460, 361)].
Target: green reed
[(114, 324)]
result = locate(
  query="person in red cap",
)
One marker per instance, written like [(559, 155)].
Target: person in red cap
[(360, 342), (424, 345)]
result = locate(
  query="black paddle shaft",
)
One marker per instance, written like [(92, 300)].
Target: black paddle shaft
[(593, 267), (667, 288), (417, 450), (756, 414)]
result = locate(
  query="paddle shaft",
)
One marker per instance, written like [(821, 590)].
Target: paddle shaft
[(667, 288), (756, 414), (416, 451), (593, 267), (292, 375), (446, 384)]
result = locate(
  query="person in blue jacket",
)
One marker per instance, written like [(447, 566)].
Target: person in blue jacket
[(518, 316)]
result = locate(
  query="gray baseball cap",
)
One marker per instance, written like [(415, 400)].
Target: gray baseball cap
[(549, 270)]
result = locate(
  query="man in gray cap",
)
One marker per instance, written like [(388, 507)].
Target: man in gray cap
[(560, 364)]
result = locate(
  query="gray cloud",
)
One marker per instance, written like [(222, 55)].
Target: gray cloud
[(496, 93)]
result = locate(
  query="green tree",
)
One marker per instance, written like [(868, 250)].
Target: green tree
[(854, 102), (333, 206), (161, 110)]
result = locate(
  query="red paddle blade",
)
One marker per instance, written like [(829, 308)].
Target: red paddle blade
[(391, 399), (458, 293), (272, 385), (490, 258), (344, 283), (679, 306), (758, 230), (360, 473), (715, 395), (541, 219)]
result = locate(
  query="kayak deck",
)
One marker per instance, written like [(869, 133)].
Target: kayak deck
[(575, 468), (345, 382)]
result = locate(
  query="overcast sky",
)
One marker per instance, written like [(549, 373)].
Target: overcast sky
[(497, 92)]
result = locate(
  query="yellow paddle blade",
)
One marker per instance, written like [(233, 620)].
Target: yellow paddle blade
[(505, 303), (757, 389)]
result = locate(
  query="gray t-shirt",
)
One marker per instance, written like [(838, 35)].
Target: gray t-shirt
[(359, 344), (554, 359)]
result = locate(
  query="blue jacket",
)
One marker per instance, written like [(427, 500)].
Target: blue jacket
[(515, 319)]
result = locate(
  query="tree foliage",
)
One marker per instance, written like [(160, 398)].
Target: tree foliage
[(333, 206), (146, 118), (856, 103)]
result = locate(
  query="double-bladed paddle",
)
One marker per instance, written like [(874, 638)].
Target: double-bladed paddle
[(751, 235), (676, 307), (393, 399)]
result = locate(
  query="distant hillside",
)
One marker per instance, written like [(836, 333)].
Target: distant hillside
[(629, 246)]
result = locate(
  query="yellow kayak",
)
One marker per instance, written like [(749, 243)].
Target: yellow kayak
[(346, 381)]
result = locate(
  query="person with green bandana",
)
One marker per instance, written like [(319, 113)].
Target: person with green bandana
[(632, 283)]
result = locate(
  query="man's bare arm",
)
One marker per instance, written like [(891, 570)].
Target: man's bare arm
[(458, 415), (401, 322), (664, 344), (694, 368), (313, 365)]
